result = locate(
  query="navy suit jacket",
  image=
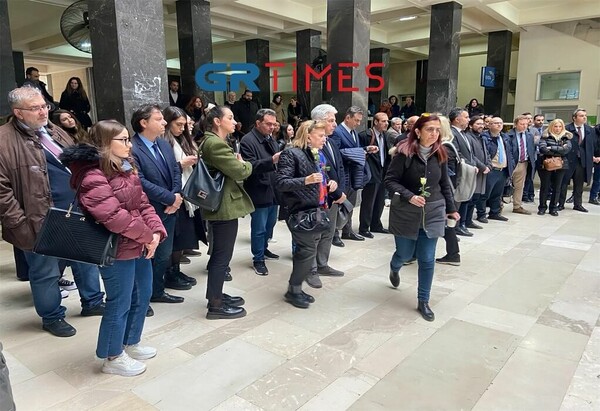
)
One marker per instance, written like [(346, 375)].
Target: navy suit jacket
[(159, 188), (585, 152), (514, 147), (353, 154), (336, 170)]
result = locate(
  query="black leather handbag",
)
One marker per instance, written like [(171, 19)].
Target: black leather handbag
[(314, 220), (202, 189), (71, 235)]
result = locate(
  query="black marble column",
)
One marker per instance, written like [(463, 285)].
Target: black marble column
[(7, 69), (498, 56), (421, 85), (195, 44), (348, 41), (19, 64), (128, 53), (444, 47), (308, 45), (257, 52), (379, 55)]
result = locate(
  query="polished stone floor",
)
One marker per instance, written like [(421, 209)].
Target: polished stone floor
[(517, 328)]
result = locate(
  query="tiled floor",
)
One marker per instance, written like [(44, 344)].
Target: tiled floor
[(517, 328)]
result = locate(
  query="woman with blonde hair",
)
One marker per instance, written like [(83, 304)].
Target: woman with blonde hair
[(303, 185), (554, 145)]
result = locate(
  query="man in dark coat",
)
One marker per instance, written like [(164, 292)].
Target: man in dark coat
[(244, 111)]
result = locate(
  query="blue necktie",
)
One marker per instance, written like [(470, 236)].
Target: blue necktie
[(500, 151), (160, 161)]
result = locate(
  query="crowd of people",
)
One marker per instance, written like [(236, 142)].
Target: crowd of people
[(437, 173)]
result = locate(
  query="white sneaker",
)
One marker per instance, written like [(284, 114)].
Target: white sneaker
[(64, 293), (66, 284), (139, 352), (123, 365)]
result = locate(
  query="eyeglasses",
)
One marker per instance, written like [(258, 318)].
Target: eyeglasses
[(36, 108), (125, 141)]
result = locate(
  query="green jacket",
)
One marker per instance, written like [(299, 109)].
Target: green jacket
[(217, 155)]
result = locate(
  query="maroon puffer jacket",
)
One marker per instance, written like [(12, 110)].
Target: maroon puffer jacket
[(119, 203)]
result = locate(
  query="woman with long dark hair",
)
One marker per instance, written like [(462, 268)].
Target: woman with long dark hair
[(418, 177), (195, 109), (219, 156), (111, 192), (278, 107), (68, 122), (75, 100)]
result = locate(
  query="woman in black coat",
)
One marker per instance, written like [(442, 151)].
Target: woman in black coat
[(555, 142), (418, 177), (75, 100), (303, 186), (474, 108)]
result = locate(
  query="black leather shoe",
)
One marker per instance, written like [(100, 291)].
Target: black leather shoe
[(554, 213), (381, 231), (149, 312), (353, 236), (395, 278), (60, 328), (483, 220), (560, 208), (192, 253), (594, 201), (224, 312), (98, 309), (497, 217), (228, 276), (166, 298), (233, 301), (271, 256), (570, 200), (541, 212), (337, 242), (308, 297), (296, 299), (187, 278), (475, 226), (463, 231), (366, 234), (425, 311), (177, 283), (580, 208)]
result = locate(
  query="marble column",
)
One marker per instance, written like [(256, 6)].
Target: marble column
[(379, 55), (498, 56), (195, 44), (348, 41), (444, 47), (421, 86), (257, 52), (308, 46), (128, 54), (19, 64), (7, 69)]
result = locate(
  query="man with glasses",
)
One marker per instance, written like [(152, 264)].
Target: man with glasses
[(32, 179), (260, 149)]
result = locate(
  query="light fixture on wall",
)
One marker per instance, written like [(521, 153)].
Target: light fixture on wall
[(407, 18)]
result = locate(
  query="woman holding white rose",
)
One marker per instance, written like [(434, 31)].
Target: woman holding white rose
[(418, 177)]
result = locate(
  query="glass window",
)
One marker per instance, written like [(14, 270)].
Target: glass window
[(559, 86)]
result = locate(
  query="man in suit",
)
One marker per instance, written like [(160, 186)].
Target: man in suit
[(161, 179), (354, 158), (176, 98), (459, 120), (498, 148), (581, 160), (373, 194), (410, 122), (483, 164), (394, 131), (522, 148), (33, 179), (260, 149)]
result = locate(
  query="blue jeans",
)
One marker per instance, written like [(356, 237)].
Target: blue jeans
[(43, 280), (261, 229), (425, 252), (128, 285), (595, 190), (162, 256)]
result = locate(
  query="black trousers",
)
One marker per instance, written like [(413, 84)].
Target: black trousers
[(550, 180), (452, 249), (304, 255), (576, 172), (223, 242), (351, 196), (371, 207)]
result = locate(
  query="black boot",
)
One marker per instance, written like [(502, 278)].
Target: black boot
[(425, 311), (177, 272), (174, 282)]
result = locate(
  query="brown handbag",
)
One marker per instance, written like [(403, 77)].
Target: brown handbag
[(553, 163)]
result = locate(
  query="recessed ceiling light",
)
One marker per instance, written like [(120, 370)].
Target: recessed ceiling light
[(407, 18)]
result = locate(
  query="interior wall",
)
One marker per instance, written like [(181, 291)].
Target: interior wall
[(557, 52)]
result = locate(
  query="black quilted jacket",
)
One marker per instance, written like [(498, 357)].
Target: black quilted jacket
[(294, 166)]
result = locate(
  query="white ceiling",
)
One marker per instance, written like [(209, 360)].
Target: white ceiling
[(35, 26)]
